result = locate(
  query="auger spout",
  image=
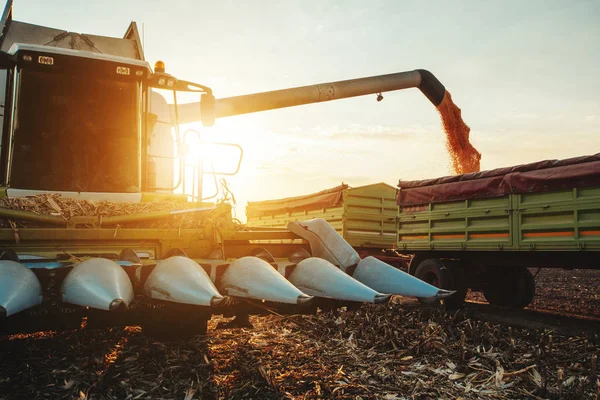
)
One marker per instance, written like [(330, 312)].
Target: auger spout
[(422, 79)]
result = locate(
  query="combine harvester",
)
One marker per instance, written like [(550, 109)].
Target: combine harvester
[(83, 118)]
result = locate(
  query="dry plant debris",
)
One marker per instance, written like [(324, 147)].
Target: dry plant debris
[(397, 351), (57, 205)]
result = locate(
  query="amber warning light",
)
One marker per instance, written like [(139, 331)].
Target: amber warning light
[(159, 66)]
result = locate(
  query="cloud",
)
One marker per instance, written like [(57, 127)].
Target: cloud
[(521, 116), (389, 136), (352, 180), (368, 132), (264, 166)]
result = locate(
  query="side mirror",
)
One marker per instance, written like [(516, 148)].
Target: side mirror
[(207, 109), (6, 61)]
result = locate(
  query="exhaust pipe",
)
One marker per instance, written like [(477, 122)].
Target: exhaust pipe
[(182, 280), (385, 278), (98, 283), (318, 277), (20, 289), (253, 278)]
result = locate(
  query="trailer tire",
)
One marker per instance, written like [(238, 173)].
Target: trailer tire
[(444, 275), (529, 293), (509, 287), (460, 285)]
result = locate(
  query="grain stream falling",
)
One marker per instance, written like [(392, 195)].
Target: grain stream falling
[(465, 158)]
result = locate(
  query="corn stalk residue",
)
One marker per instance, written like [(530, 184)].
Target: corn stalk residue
[(465, 158)]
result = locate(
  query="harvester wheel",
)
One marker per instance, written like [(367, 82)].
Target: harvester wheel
[(444, 275), (509, 287)]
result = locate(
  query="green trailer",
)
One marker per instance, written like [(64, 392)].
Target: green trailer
[(365, 216), (485, 230)]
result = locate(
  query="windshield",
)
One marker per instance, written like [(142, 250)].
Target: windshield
[(73, 133)]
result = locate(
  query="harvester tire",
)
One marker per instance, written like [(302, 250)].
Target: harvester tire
[(444, 275), (509, 287)]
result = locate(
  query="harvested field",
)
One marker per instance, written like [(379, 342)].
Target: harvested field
[(401, 350)]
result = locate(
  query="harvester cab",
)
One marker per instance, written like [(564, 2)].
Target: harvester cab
[(82, 122), (91, 225), (72, 122)]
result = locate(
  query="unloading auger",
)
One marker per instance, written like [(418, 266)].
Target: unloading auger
[(421, 79), (167, 269)]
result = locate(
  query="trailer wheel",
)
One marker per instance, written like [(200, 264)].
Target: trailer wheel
[(509, 287), (444, 275), (460, 285), (529, 289)]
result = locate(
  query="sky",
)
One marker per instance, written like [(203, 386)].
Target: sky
[(524, 73)]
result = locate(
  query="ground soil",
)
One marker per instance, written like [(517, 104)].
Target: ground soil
[(394, 351)]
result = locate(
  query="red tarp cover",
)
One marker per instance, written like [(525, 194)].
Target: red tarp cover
[(535, 177), (323, 199)]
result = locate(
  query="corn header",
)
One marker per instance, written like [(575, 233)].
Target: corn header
[(86, 125)]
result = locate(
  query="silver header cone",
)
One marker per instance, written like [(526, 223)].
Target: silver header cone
[(253, 278), (98, 283), (181, 280), (19, 288), (384, 278), (319, 277)]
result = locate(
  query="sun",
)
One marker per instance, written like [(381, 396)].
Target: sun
[(232, 145)]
